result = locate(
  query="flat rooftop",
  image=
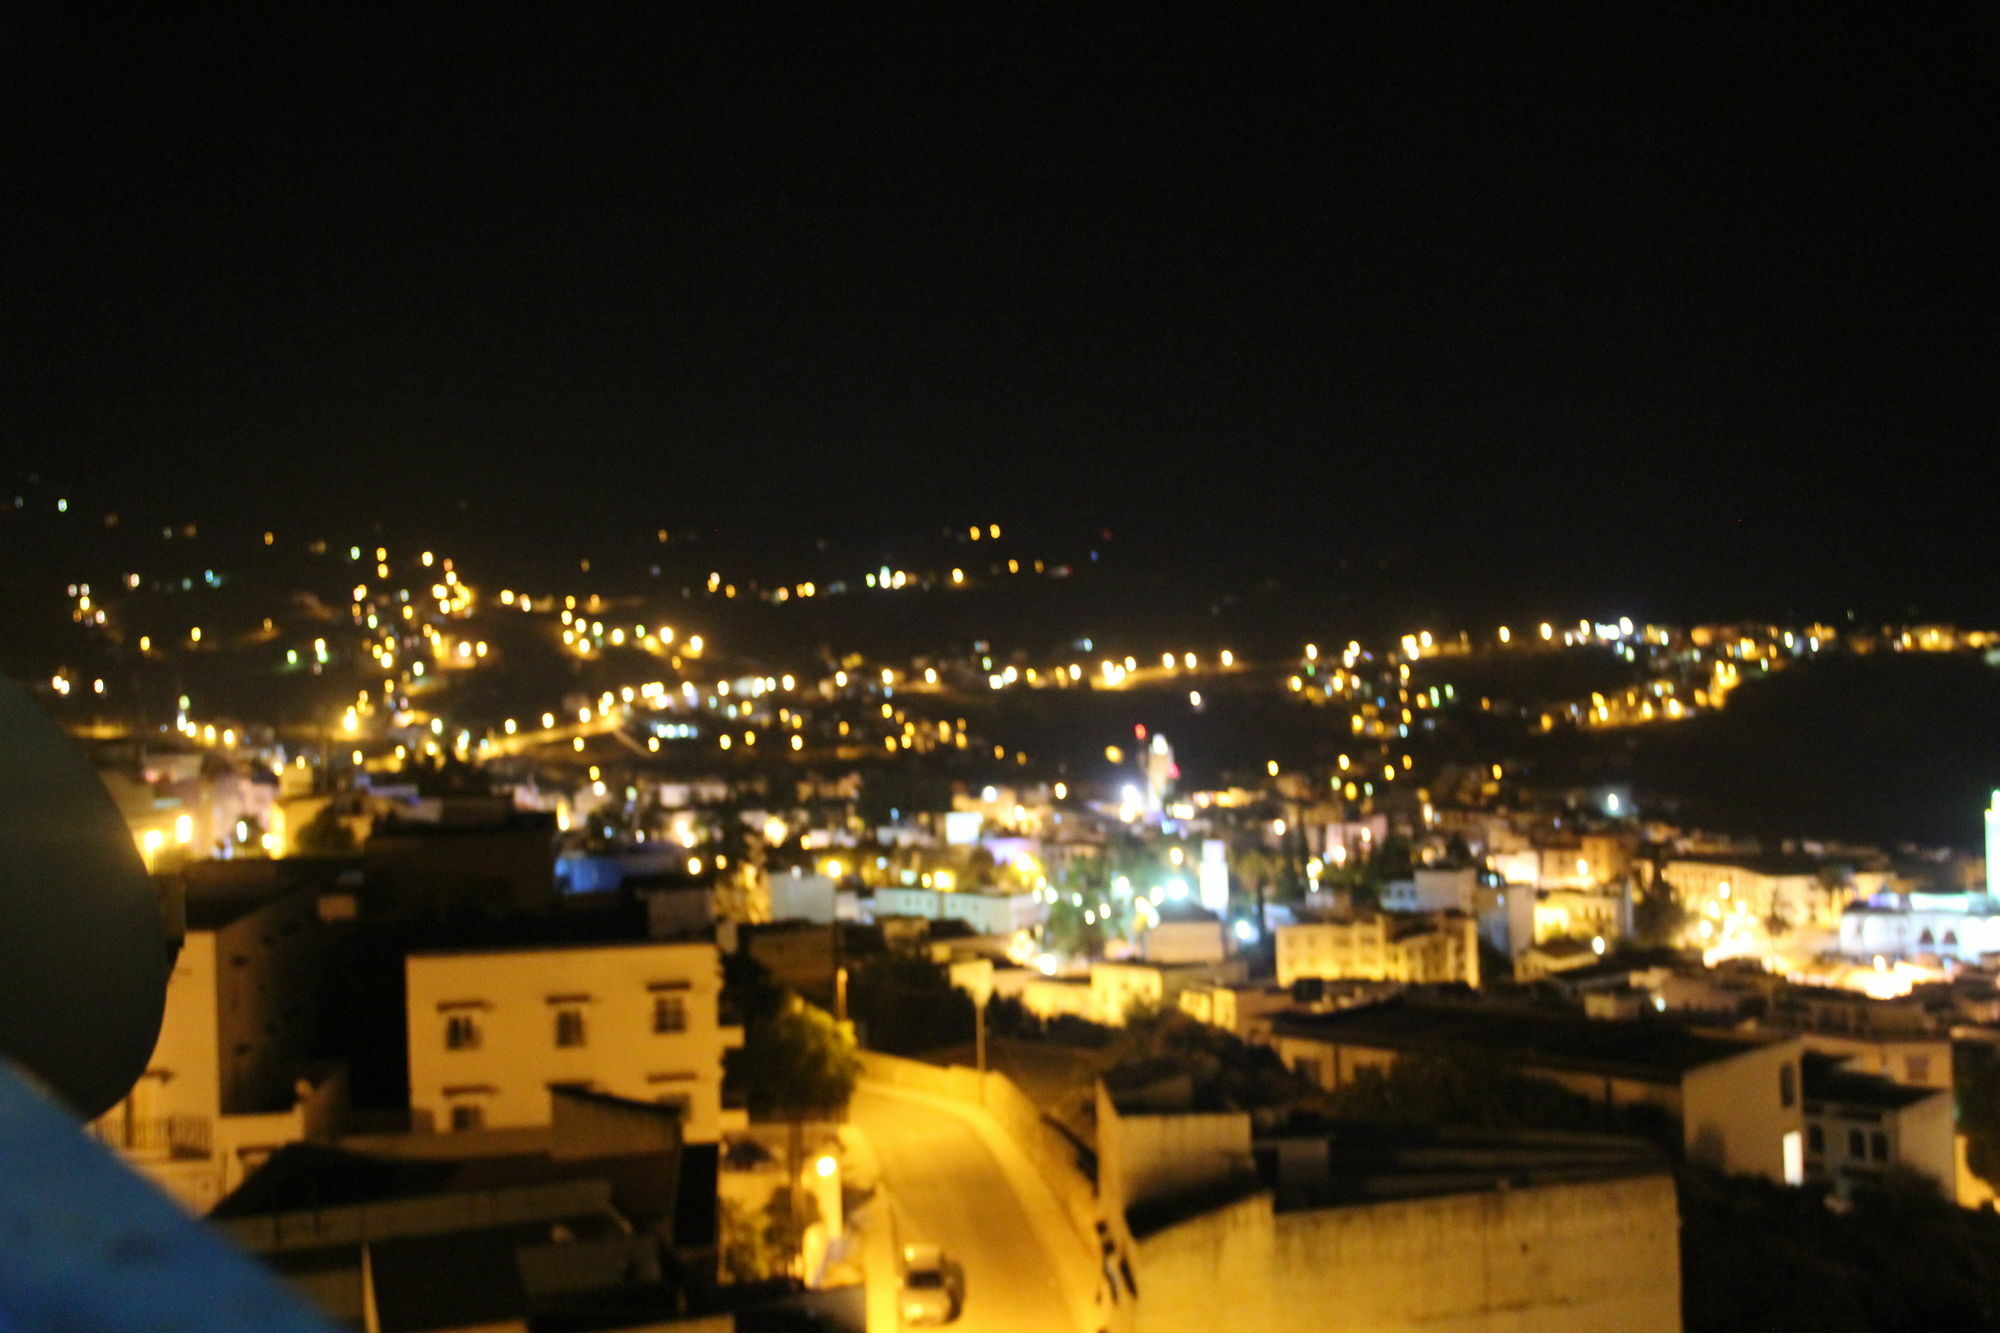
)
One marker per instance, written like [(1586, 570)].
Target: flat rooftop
[(1352, 1164), (1827, 1079), (1657, 1050)]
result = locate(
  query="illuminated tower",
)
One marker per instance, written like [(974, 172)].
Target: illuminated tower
[(1158, 766), (1993, 846)]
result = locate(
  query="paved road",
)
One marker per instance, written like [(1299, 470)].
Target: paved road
[(945, 1188)]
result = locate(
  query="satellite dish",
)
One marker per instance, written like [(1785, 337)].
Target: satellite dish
[(83, 952)]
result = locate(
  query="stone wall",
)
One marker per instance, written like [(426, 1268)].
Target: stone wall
[(1564, 1258)]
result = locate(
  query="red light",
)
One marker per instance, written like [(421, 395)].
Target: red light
[(1139, 730)]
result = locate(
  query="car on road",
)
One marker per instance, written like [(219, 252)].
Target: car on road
[(931, 1291)]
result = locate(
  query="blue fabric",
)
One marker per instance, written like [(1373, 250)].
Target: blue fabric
[(86, 1242)]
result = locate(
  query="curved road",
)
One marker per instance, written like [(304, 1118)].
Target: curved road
[(946, 1188)]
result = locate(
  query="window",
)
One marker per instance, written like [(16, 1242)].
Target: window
[(670, 1013), (467, 1115), (569, 1027), (1815, 1139), (1788, 1085), (461, 1033), (1857, 1145), (1917, 1068), (1878, 1146)]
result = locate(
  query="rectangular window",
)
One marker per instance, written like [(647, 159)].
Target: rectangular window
[(467, 1115), (670, 1013), (569, 1027), (461, 1033), (1857, 1145), (1815, 1139), (1917, 1068), (1878, 1146), (1788, 1085)]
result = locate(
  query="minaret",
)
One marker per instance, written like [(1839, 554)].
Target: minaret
[(1993, 847)]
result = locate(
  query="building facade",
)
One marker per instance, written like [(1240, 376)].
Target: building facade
[(491, 1032), (1738, 1098), (1419, 950), (1860, 1127), (227, 1084)]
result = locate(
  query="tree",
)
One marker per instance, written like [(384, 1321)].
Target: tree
[(761, 1246), (795, 1064), (1226, 1071), (1978, 1078), (906, 1005), (1440, 1090), (1657, 920), (324, 835)]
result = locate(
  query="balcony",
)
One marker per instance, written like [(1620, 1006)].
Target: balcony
[(154, 1138)]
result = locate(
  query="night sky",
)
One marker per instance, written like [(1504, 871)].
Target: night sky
[(1684, 306)]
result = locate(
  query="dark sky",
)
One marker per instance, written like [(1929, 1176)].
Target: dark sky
[(1646, 301)]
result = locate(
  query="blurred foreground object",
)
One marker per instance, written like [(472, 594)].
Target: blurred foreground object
[(91, 1245), (83, 951)]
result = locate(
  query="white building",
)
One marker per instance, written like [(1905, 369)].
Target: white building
[(1194, 937), (1757, 888), (986, 913), (1955, 926), (491, 1031), (226, 1085), (802, 896), (1452, 889), (1993, 847)]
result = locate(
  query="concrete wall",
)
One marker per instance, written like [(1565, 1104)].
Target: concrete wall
[(1212, 1273), (1733, 1115), (513, 998), (1143, 1157), (1582, 1256)]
